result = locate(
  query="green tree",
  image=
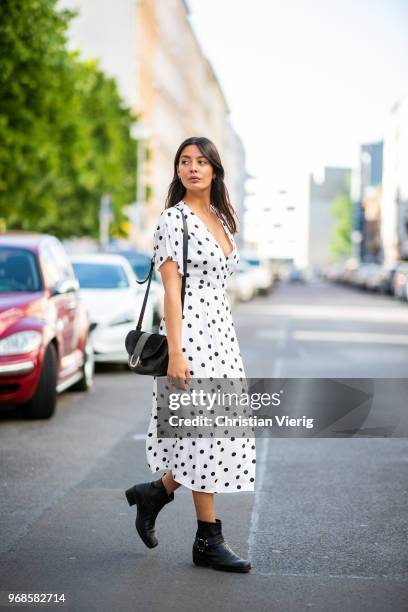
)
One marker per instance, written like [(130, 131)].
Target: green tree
[(64, 130), (340, 243)]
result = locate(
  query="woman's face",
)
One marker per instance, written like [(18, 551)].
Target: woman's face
[(194, 170)]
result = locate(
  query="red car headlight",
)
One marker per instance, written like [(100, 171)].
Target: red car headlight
[(20, 343)]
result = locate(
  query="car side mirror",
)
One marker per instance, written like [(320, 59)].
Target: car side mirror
[(65, 286)]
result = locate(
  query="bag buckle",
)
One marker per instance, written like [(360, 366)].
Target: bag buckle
[(136, 363)]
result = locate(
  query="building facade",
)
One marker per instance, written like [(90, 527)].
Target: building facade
[(276, 220), (394, 202), (371, 171), (322, 192), (178, 96), (106, 31), (149, 46), (235, 177)]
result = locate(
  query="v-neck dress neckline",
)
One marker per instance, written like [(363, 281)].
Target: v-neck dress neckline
[(227, 232)]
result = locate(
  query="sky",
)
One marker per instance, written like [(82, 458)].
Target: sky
[(306, 81)]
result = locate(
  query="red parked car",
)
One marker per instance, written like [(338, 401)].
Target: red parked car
[(45, 341)]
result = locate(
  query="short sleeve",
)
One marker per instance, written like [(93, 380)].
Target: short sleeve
[(168, 239), (233, 262)]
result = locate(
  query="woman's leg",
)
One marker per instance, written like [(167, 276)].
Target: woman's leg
[(204, 502), (204, 505), (169, 483)]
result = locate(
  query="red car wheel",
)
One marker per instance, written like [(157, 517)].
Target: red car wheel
[(42, 404)]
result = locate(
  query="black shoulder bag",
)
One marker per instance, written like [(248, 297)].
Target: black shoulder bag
[(148, 352)]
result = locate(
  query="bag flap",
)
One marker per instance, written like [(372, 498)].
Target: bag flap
[(153, 345), (131, 340)]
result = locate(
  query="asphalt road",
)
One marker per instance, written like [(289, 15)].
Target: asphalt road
[(326, 529)]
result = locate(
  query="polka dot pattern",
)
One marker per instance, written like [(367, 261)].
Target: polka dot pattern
[(211, 349)]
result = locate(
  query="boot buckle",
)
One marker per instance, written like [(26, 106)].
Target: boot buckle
[(201, 548)]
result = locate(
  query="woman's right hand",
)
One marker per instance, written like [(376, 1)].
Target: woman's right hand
[(178, 371)]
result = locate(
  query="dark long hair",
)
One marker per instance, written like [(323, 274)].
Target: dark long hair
[(219, 193)]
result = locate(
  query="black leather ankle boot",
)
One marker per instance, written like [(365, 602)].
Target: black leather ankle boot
[(150, 497), (211, 550)]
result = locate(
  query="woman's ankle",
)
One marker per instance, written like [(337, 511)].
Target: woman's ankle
[(169, 483), (205, 518)]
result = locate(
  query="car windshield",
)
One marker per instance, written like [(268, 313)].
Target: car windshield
[(100, 276), (19, 271), (140, 268), (253, 262), (140, 265)]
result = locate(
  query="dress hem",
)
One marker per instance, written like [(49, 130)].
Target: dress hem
[(244, 489)]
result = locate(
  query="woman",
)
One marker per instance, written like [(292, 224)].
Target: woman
[(202, 343)]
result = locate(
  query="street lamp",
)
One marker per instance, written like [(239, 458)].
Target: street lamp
[(105, 217)]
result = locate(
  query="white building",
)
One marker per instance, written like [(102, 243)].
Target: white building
[(235, 176), (394, 203), (323, 190), (276, 220)]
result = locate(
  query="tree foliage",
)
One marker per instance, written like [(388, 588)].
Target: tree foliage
[(341, 245), (64, 130)]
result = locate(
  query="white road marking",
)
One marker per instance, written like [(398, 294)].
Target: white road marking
[(139, 436), (395, 313), (349, 337), (260, 477)]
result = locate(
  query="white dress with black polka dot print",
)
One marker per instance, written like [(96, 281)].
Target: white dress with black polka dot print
[(210, 346)]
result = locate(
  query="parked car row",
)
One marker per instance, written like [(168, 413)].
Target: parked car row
[(389, 279), (291, 273), (60, 313), (253, 276)]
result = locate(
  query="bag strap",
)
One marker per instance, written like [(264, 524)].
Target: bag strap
[(149, 276)]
